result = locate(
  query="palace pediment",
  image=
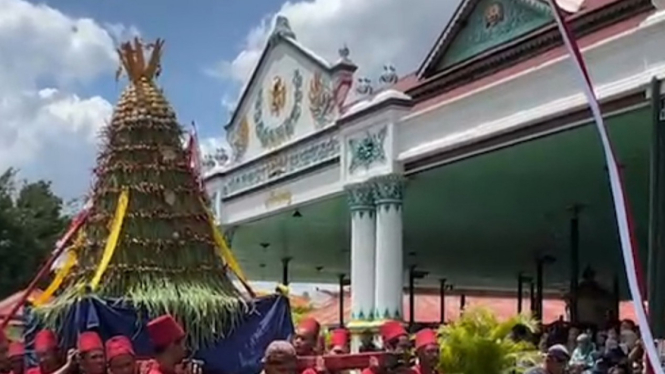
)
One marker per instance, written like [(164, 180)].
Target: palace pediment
[(481, 26), (292, 93)]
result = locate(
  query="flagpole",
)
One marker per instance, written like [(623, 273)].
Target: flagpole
[(621, 208)]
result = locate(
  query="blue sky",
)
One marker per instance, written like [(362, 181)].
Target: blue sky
[(57, 64), (198, 35)]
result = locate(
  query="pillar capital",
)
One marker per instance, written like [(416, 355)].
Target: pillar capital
[(361, 197), (389, 190)]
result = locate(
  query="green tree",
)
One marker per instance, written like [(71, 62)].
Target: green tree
[(30, 224)]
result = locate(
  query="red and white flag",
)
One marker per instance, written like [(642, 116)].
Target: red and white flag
[(621, 206)]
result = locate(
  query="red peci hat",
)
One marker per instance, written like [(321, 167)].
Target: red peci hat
[(339, 338), (89, 341), (391, 330), (164, 330), (118, 346), (45, 340), (425, 337), (309, 325), (16, 349)]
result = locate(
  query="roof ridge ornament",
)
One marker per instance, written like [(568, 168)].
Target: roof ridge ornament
[(389, 75), (344, 54), (282, 28), (364, 86)]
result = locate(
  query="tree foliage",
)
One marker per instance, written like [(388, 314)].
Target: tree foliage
[(478, 343), (31, 222)]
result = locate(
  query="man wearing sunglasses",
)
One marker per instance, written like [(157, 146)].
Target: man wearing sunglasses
[(556, 361)]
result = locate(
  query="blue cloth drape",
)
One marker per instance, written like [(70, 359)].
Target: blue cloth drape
[(239, 352)]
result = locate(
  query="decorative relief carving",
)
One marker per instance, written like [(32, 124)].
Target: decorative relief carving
[(270, 136), (368, 149), (321, 100), (492, 23), (277, 96), (283, 164), (239, 139), (493, 14), (361, 198), (389, 191)]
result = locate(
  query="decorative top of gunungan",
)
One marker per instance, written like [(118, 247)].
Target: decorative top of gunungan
[(133, 60)]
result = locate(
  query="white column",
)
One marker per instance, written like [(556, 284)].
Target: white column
[(363, 231), (389, 260)]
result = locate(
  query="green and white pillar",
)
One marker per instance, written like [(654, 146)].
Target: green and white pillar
[(389, 192), (363, 234)]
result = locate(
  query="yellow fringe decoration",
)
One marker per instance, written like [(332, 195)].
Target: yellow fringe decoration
[(112, 241), (61, 274), (224, 251)]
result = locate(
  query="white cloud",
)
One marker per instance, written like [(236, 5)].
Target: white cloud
[(46, 129), (121, 33), (376, 31)]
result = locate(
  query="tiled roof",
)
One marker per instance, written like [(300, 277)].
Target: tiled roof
[(427, 308)]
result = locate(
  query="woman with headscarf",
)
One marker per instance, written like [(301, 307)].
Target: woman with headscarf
[(583, 358)]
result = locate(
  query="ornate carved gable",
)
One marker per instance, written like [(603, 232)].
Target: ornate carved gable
[(292, 93), (483, 25)]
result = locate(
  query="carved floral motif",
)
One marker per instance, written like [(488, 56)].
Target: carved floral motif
[(389, 191), (321, 100), (270, 136), (368, 149), (361, 198), (239, 139)]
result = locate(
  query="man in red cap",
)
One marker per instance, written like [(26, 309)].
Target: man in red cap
[(4, 347), (339, 341), (427, 351), (394, 336), (48, 353), (16, 357), (306, 337), (120, 356), (395, 340), (168, 341), (91, 353)]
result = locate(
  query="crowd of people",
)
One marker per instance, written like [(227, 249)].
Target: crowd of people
[(117, 356), (93, 356), (568, 349), (307, 341), (571, 349)]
